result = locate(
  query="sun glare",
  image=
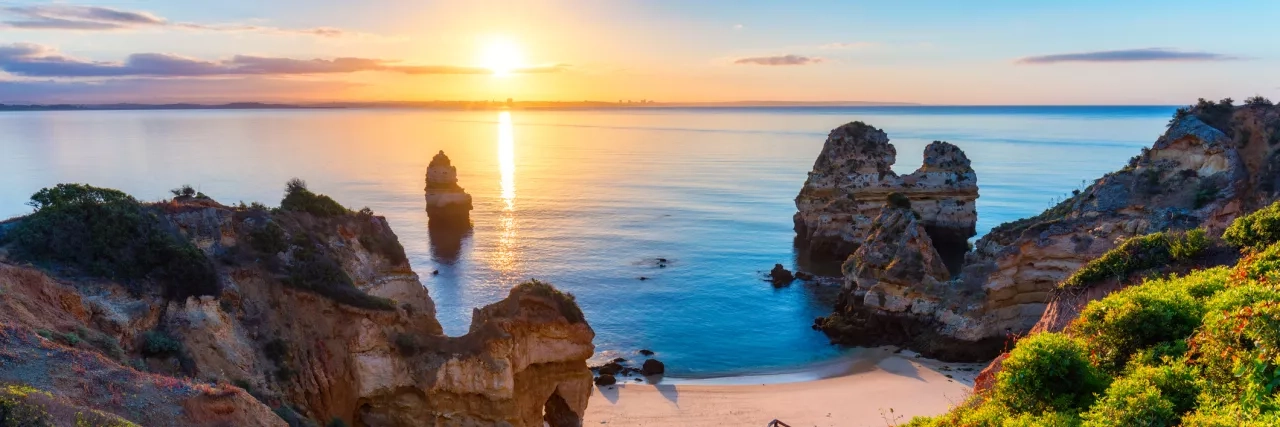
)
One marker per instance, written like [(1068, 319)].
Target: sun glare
[(501, 56)]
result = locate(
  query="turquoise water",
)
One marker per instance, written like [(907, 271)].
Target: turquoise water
[(584, 199)]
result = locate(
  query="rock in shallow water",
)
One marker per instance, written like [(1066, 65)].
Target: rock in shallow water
[(780, 276), (448, 205), (652, 367)]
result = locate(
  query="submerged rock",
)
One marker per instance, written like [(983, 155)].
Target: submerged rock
[(448, 205), (852, 179), (780, 276)]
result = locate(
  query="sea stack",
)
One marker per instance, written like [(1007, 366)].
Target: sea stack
[(447, 203), (851, 182)]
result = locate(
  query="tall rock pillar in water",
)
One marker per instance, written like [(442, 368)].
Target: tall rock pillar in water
[(447, 203)]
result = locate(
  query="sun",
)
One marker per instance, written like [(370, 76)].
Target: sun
[(501, 56)]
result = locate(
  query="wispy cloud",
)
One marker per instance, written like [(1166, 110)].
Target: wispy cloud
[(779, 60), (33, 60), (848, 45), (1128, 55), (95, 18)]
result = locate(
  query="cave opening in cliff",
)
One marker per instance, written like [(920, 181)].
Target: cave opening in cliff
[(557, 413), (951, 246)]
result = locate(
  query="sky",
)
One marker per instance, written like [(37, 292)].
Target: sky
[(932, 52)]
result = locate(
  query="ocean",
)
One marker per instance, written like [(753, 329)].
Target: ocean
[(585, 199)]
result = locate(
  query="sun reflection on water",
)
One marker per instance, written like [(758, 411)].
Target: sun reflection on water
[(506, 257)]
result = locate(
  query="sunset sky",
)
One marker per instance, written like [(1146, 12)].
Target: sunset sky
[(935, 52)]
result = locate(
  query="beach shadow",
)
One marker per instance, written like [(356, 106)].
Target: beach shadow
[(610, 393), (901, 366), (667, 391), (869, 360)]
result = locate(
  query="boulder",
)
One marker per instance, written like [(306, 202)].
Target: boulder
[(652, 367), (605, 379)]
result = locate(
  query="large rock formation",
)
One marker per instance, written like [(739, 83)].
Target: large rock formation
[(447, 203), (320, 318), (851, 181), (1194, 175)]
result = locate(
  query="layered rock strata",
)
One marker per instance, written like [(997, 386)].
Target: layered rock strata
[(852, 179), (1195, 175), (447, 203), (369, 355)]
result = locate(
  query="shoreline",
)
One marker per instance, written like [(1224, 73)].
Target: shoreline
[(871, 387)]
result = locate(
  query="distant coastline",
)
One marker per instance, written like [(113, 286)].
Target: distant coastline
[(446, 105)]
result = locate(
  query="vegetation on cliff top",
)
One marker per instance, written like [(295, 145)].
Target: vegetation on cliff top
[(106, 233), (565, 302), (1200, 349), (1140, 253), (297, 198)]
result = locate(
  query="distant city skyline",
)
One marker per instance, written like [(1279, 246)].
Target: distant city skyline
[(928, 52)]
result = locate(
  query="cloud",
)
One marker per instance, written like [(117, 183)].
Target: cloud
[(1128, 55), (95, 18), (150, 90), (851, 45), (33, 60), (779, 60), (737, 26)]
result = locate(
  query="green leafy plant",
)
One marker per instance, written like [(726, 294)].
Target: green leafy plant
[(106, 233), (298, 198), (567, 303), (160, 344), (1256, 230), (1047, 372)]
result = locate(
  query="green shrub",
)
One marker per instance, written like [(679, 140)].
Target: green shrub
[(567, 303), (157, 343), (1214, 114), (298, 198), (898, 200), (1238, 347), (315, 271), (1256, 230), (105, 233), (1137, 254), (1136, 318), (387, 246), (1150, 396), (1257, 101), (1047, 372), (268, 239), (109, 345), (184, 191)]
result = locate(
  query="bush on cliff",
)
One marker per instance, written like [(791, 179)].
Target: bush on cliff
[(297, 198), (106, 233), (314, 270), (1256, 230), (1047, 372), (566, 302), (1201, 349), (1140, 253)]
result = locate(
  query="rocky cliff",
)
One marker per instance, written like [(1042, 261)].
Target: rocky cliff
[(315, 318), (1195, 175), (448, 205), (851, 181)]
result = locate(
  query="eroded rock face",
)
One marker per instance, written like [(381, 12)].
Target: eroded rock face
[(1194, 175), (851, 181), (447, 203), (353, 358)]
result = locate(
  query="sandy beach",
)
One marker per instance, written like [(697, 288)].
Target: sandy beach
[(872, 387)]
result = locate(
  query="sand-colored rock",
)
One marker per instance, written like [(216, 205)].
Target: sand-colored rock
[(380, 365), (852, 179), (1194, 175), (447, 203)]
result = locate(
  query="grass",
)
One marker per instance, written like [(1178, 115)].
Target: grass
[(1202, 349), (298, 198)]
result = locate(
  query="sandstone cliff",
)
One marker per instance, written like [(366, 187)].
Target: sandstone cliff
[(318, 317), (851, 180), (1195, 175)]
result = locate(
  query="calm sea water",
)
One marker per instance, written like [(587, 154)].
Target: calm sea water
[(584, 199)]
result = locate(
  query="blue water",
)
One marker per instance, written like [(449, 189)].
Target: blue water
[(585, 199)]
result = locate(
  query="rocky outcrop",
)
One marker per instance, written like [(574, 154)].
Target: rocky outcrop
[(448, 205), (321, 318), (1195, 175), (851, 181)]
